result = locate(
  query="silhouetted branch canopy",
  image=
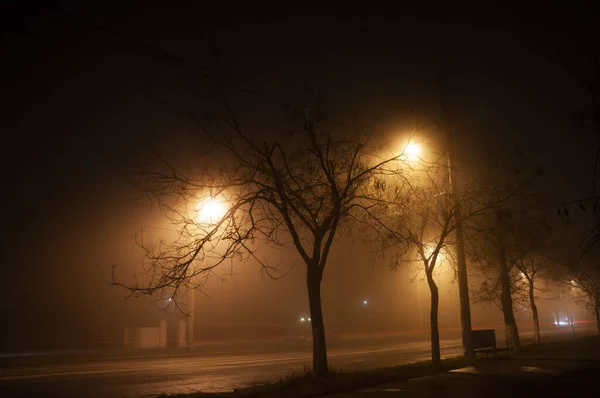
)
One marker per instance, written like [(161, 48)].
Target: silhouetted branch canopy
[(292, 190)]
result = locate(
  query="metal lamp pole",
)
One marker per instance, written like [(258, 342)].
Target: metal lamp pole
[(461, 262)]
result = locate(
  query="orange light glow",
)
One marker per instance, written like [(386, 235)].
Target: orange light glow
[(211, 210), (412, 151)]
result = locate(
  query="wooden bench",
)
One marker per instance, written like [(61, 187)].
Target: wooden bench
[(484, 341)]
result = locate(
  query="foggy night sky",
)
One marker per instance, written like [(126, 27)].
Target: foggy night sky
[(80, 107)]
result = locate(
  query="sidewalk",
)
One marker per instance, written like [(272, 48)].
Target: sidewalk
[(564, 369)]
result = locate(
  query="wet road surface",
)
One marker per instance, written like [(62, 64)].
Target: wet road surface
[(136, 377), (171, 372)]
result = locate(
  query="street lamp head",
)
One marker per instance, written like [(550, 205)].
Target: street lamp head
[(211, 210), (412, 151)]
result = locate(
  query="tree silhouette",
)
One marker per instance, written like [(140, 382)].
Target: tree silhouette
[(426, 218), (295, 187)]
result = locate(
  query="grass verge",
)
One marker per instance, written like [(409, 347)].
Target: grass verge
[(301, 384), (577, 348)]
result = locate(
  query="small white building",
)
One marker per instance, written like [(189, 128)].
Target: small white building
[(146, 337)]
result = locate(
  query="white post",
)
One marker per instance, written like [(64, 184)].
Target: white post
[(162, 333), (181, 333), (420, 306), (191, 318)]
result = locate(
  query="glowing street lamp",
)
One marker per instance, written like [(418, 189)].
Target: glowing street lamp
[(413, 151), (211, 210)]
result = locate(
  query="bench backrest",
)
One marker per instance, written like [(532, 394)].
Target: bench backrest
[(485, 338)]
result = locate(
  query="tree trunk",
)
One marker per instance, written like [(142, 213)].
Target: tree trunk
[(433, 317), (320, 366), (510, 324), (534, 312)]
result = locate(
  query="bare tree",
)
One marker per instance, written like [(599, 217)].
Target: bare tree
[(530, 242), (428, 229), (515, 266), (489, 248), (428, 220), (498, 238), (295, 187), (504, 267), (531, 282), (584, 279)]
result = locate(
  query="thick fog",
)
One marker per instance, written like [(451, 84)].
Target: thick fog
[(82, 118), (62, 300)]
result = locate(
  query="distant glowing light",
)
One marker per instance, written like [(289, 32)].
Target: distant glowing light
[(309, 319), (302, 319), (365, 302), (429, 251)]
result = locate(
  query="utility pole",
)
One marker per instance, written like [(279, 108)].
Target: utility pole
[(461, 261)]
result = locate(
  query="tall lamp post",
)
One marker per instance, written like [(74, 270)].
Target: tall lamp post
[(208, 213), (412, 152), (461, 262)]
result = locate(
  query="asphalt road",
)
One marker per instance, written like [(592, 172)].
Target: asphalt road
[(136, 376)]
